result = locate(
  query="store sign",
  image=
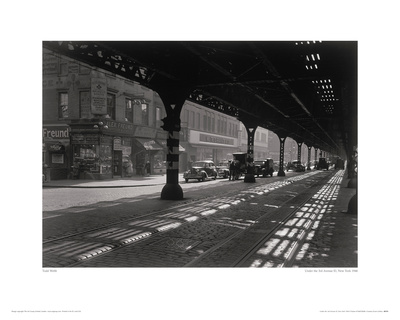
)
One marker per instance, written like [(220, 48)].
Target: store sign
[(145, 132), (119, 127), (85, 139), (55, 147), (98, 96), (117, 143), (197, 137), (216, 139), (57, 158), (55, 132)]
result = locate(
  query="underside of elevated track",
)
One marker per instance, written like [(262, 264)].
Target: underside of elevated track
[(305, 90)]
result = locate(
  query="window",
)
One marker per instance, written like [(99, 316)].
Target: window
[(63, 111), (128, 110), (204, 122), (84, 104), (140, 112), (186, 119), (110, 106), (192, 119), (158, 113), (145, 114), (198, 121), (263, 137), (225, 126)]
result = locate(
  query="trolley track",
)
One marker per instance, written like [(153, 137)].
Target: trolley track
[(243, 195), (326, 192)]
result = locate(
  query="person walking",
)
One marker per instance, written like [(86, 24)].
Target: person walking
[(231, 170), (147, 168)]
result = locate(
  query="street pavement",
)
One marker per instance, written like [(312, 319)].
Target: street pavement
[(217, 237)]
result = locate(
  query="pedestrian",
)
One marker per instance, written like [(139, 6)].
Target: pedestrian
[(147, 168), (231, 170), (129, 168)]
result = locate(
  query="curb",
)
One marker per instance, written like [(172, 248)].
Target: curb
[(93, 187)]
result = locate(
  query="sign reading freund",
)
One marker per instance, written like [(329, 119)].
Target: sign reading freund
[(99, 96)]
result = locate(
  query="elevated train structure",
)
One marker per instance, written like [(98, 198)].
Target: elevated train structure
[(306, 90)]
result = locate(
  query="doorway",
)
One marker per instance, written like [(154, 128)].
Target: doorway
[(117, 164)]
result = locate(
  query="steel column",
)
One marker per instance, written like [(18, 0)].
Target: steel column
[(249, 176), (172, 190), (281, 172), (299, 144), (309, 159)]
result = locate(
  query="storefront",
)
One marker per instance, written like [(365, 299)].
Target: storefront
[(101, 150), (205, 146), (148, 152), (55, 151)]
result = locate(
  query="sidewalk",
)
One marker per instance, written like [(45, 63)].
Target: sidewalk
[(135, 181)]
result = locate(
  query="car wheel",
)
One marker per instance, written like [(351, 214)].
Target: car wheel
[(203, 178)]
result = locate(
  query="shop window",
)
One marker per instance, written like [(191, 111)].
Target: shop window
[(128, 110), (110, 106), (93, 158), (63, 111)]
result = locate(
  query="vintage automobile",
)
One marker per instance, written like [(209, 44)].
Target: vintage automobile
[(295, 165), (322, 164), (264, 167), (223, 169), (201, 170)]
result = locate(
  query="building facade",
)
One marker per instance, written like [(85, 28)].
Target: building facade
[(207, 134), (261, 148), (98, 125)]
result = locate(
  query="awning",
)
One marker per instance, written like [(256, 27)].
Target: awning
[(150, 145), (164, 144)]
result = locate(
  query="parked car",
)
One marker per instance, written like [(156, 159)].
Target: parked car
[(223, 169), (322, 164), (295, 165), (264, 167), (201, 170), (259, 168)]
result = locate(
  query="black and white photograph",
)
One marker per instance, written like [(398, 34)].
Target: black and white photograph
[(200, 161), (200, 154)]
